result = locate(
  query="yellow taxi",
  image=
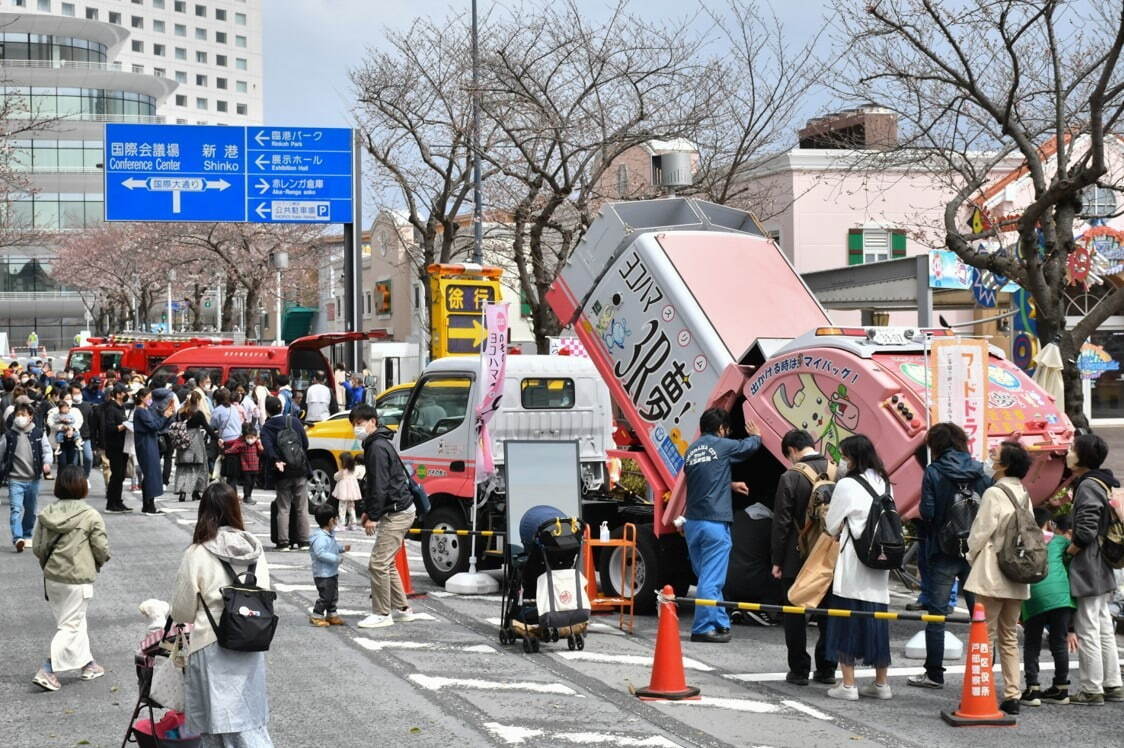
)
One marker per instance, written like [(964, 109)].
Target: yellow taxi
[(328, 439)]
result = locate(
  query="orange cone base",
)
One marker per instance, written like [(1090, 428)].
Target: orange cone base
[(651, 694), (996, 719), (403, 566)]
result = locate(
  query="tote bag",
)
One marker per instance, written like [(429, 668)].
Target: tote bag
[(815, 577)]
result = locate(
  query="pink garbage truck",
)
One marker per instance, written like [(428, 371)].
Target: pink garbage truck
[(683, 304)]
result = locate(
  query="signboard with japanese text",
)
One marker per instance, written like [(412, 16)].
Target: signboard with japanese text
[(493, 366), (230, 174), (959, 373), (456, 314)]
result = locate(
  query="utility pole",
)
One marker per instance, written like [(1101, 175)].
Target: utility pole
[(478, 198)]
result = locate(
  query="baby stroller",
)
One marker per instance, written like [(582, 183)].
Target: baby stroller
[(150, 732), (544, 597)]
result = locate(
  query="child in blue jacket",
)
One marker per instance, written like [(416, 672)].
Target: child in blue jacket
[(327, 553)]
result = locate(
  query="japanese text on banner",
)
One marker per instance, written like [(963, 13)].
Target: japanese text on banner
[(493, 365), (959, 376)]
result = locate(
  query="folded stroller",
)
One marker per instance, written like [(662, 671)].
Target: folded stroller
[(544, 597)]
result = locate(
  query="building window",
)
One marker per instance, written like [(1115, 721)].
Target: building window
[(158, 4), (138, 68), (159, 50), (240, 63), (201, 34), (201, 80), (220, 60), (181, 76), (240, 86), (115, 18), (138, 2), (867, 245), (1098, 202), (136, 22), (181, 100), (159, 27), (220, 106), (160, 72), (180, 121), (201, 11), (181, 30), (19, 3), (68, 9), (220, 37), (776, 237), (180, 6), (91, 13), (220, 83), (200, 103), (138, 45), (240, 19), (45, 5), (240, 41), (181, 53), (240, 109), (220, 14), (201, 57)]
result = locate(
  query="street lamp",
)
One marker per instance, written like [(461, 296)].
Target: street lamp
[(171, 279), (280, 261)]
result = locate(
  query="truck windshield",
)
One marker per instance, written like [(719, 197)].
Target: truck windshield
[(80, 361), (437, 408)]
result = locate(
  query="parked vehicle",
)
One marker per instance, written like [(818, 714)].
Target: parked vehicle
[(138, 352)]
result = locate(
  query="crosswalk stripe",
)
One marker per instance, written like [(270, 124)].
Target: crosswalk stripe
[(436, 683), (517, 735)]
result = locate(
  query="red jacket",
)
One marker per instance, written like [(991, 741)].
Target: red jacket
[(249, 454)]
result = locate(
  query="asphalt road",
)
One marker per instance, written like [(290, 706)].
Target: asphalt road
[(447, 681)]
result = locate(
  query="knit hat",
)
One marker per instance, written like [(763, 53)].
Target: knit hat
[(161, 398)]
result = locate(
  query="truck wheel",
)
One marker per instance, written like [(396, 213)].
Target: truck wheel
[(322, 481), (675, 563), (445, 555), (647, 570)]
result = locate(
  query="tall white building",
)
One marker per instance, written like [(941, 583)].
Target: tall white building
[(89, 62)]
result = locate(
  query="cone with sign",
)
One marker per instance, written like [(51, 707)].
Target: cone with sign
[(978, 702), (402, 564), (668, 679)]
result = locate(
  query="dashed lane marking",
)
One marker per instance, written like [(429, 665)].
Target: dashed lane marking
[(869, 672), (377, 646), (516, 735), (802, 707), (362, 613), (436, 683), (737, 705), (646, 661)]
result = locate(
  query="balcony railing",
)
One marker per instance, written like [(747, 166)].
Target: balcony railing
[(140, 119), (111, 67)]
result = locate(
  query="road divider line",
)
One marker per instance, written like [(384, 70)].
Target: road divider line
[(437, 682), (736, 705), (375, 645), (517, 735)]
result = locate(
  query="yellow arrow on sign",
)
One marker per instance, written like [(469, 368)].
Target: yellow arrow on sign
[(476, 333)]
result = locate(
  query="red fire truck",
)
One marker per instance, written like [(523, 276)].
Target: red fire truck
[(139, 352)]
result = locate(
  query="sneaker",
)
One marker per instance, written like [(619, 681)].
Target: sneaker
[(375, 621), (404, 616), (46, 681), (317, 621), (1032, 696), (335, 621), (711, 637), (1085, 698), (1009, 706), (92, 671), (825, 677), (876, 691), (301, 546), (249, 502), (152, 512), (922, 680), (281, 547), (915, 606), (20, 545), (843, 693), (796, 679), (1056, 695), (1114, 694)]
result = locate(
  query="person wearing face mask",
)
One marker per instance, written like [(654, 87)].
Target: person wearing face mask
[(25, 457), (951, 471), (290, 476), (710, 515), (387, 506), (150, 418), (114, 433), (1091, 579), (86, 410)]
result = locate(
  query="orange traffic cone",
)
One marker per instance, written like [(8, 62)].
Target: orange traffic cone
[(978, 704), (403, 565), (668, 679)]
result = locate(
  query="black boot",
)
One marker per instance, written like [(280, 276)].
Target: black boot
[(183, 497)]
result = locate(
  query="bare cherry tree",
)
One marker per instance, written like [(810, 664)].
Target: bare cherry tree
[(977, 83)]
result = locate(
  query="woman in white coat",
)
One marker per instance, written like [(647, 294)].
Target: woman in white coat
[(857, 587)]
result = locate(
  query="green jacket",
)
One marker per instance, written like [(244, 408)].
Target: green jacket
[(1053, 591), (82, 546)]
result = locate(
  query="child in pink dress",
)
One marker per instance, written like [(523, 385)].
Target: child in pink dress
[(347, 491)]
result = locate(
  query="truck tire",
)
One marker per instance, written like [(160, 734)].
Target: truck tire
[(322, 480), (647, 569), (445, 555)]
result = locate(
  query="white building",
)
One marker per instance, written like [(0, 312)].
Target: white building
[(89, 62)]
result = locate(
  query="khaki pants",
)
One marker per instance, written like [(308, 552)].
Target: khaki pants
[(387, 593), (1002, 622), (1096, 644)]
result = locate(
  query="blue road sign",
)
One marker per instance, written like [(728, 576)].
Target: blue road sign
[(238, 174)]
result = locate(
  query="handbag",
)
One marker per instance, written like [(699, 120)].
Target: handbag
[(166, 688), (816, 575), (417, 491)]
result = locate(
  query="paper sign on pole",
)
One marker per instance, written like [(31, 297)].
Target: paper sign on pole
[(493, 365), (958, 371)]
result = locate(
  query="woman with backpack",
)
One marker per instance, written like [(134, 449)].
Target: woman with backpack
[(856, 586), (1001, 596), (225, 695), (71, 545), (1091, 579), (189, 433)]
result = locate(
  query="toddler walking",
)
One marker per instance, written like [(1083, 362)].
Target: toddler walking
[(1050, 607), (347, 491), (247, 450), (327, 553)]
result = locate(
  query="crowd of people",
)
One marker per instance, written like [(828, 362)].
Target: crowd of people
[(1071, 602)]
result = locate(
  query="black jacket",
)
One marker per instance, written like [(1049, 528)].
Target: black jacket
[(793, 492), (110, 416), (385, 490), (87, 430), (943, 477), (269, 431), (1089, 573)]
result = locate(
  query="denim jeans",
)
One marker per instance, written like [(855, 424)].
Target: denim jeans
[(24, 496), (87, 457), (923, 546), (709, 544), (942, 573)]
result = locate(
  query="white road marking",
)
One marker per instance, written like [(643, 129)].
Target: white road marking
[(802, 707), (643, 660), (594, 626), (185, 522), (737, 705), (515, 735), (175, 509), (485, 598), (377, 646), (436, 683), (869, 672)]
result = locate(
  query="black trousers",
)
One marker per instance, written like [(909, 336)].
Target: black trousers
[(1057, 620), (169, 458), (796, 640), (248, 480), (117, 463), (329, 595)]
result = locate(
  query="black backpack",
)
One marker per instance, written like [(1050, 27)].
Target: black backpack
[(952, 537), (290, 449), (247, 623), (882, 543)]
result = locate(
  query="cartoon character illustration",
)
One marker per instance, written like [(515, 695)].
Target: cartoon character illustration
[(829, 418), (678, 440), (612, 331)]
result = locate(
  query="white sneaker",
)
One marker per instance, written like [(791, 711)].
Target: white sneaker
[(876, 691), (845, 693), (404, 616), (375, 621)]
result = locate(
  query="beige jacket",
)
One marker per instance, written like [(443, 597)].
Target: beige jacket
[(202, 572), (986, 539)]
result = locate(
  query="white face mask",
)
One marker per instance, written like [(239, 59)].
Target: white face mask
[(989, 468), (75, 399), (360, 431), (1071, 459), (844, 466), (22, 422)]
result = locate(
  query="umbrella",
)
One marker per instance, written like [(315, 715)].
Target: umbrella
[(1048, 373)]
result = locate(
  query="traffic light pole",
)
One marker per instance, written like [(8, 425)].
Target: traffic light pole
[(352, 257)]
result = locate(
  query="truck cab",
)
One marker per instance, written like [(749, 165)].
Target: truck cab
[(137, 352)]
